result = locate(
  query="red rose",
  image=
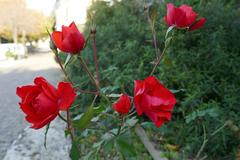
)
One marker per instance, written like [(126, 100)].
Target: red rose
[(183, 17), (70, 40), (123, 105), (42, 102), (154, 100)]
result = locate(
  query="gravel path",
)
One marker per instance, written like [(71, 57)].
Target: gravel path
[(17, 73)]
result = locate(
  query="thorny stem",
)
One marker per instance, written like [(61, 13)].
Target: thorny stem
[(85, 67), (158, 61), (65, 73), (219, 129), (62, 68), (158, 55), (120, 124), (205, 140), (86, 41), (62, 118), (69, 79), (95, 56), (69, 125), (68, 121), (153, 32)]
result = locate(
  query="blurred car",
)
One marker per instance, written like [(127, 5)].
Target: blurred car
[(12, 50)]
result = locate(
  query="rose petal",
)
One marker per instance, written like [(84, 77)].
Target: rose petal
[(44, 106), (57, 39), (40, 124), (48, 89), (159, 118), (180, 18), (170, 18), (27, 93), (27, 109), (198, 24), (190, 14), (122, 106), (67, 95)]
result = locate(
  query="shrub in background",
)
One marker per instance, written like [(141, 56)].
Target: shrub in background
[(203, 65)]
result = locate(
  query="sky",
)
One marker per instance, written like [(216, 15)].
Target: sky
[(45, 6)]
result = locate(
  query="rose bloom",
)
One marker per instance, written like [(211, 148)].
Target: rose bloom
[(154, 100), (42, 102), (183, 17), (69, 40), (123, 105)]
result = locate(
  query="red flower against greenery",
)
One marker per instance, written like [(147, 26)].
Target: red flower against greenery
[(69, 40), (154, 100), (42, 102), (123, 105), (183, 17)]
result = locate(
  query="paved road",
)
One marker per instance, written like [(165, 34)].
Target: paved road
[(17, 73)]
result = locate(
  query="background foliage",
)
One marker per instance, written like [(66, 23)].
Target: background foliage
[(203, 64)]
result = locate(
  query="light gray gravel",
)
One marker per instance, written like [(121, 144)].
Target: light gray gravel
[(17, 73)]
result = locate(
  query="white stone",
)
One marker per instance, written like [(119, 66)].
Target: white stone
[(30, 144)]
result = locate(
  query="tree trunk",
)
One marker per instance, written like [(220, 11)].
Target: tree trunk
[(24, 37), (15, 35)]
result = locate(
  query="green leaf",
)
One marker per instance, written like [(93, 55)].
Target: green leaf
[(114, 95), (131, 122), (66, 132), (108, 147), (124, 146), (177, 90), (86, 117), (74, 153), (88, 156), (212, 112), (99, 109), (45, 135), (67, 60)]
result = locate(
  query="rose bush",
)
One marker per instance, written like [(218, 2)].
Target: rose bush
[(96, 124), (42, 102)]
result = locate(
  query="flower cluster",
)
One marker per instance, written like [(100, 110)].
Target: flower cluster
[(42, 102)]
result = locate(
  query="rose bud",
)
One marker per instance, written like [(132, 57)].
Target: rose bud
[(154, 100), (123, 105), (69, 40), (183, 17), (42, 102)]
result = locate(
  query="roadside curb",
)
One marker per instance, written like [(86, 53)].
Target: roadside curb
[(30, 144)]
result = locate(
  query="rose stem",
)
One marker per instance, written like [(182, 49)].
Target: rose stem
[(121, 117), (93, 31), (69, 125), (158, 61), (146, 11), (69, 79), (63, 70), (85, 67), (62, 118)]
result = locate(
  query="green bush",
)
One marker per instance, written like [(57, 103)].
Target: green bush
[(204, 64)]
